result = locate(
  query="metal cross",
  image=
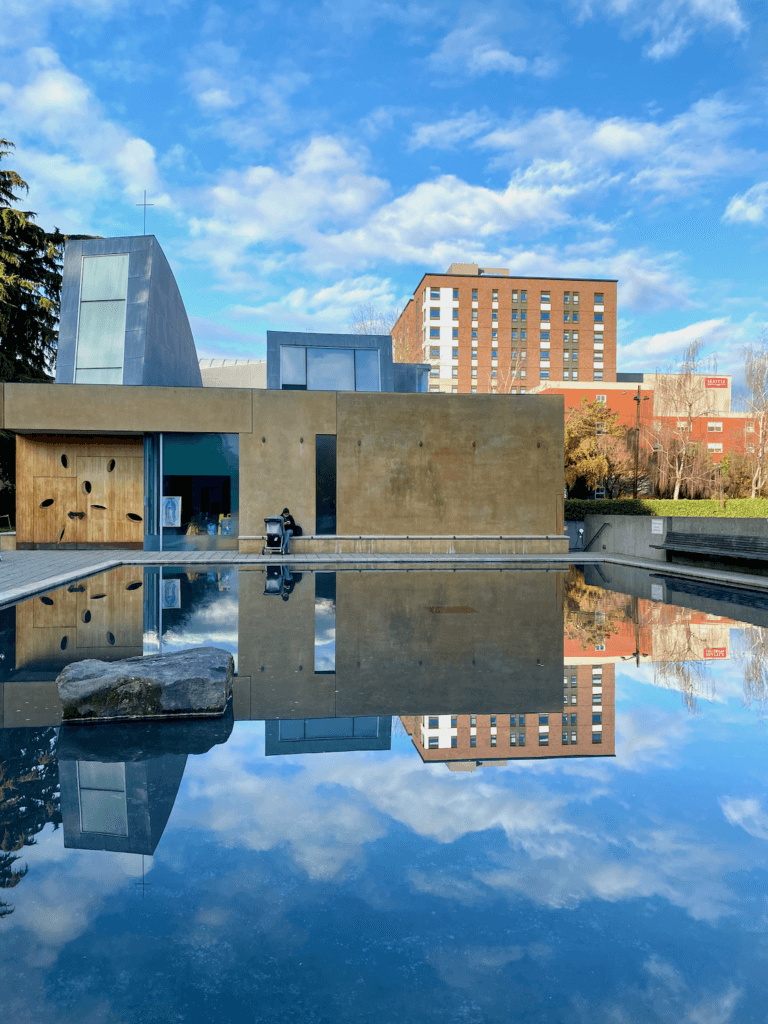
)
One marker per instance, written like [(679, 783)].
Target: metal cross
[(145, 204), (143, 883)]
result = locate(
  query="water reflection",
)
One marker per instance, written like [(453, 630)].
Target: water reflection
[(620, 829)]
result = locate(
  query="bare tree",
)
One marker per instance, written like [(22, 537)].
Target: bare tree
[(680, 397), (756, 396), (509, 375), (751, 651), (367, 319)]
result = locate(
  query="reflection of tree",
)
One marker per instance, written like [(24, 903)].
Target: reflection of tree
[(750, 649), (681, 665), (29, 797), (591, 613)]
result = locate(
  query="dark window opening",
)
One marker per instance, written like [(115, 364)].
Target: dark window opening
[(325, 484)]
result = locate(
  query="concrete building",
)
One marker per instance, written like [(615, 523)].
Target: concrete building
[(338, 435), (483, 330)]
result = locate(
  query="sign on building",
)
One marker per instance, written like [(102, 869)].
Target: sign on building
[(716, 382)]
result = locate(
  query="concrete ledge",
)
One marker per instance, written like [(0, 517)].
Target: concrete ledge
[(424, 545), (8, 541), (644, 536)]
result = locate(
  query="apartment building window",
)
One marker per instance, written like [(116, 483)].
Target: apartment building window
[(514, 335), (523, 353), (575, 317), (474, 371), (455, 294), (494, 372), (575, 337), (434, 332), (597, 719), (598, 298), (715, 427), (544, 374), (473, 391), (514, 314), (493, 741), (575, 297), (454, 371), (599, 337), (433, 741), (455, 334), (601, 398), (455, 314), (434, 293), (750, 448), (522, 390), (522, 374), (545, 317), (523, 314), (494, 315), (574, 374), (514, 353), (454, 391), (566, 317), (565, 375), (545, 296), (473, 741), (474, 294), (544, 335), (474, 334), (434, 371), (750, 427), (597, 737), (598, 318), (434, 352), (454, 742), (514, 296), (523, 335), (434, 314), (523, 296), (474, 353), (454, 353), (434, 722), (544, 739), (598, 374), (494, 335), (494, 353), (566, 298), (566, 356), (543, 719), (715, 448)]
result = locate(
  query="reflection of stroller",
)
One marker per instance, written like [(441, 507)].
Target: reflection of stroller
[(275, 530), (280, 581)]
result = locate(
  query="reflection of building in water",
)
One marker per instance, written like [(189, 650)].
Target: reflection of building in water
[(583, 725), (327, 735), (119, 806)]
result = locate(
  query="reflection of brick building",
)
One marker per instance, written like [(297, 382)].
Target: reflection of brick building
[(584, 725)]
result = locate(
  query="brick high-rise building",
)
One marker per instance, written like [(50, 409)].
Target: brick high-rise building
[(483, 330)]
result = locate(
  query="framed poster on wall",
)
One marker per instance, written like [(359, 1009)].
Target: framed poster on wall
[(171, 511)]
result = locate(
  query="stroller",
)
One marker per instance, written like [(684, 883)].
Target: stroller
[(280, 581), (275, 530)]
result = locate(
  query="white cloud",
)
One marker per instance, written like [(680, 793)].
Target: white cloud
[(749, 208), (76, 156), (721, 337), (671, 24), (475, 50), (668, 158), (748, 814), (446, 134)]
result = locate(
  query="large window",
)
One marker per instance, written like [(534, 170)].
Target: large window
[(101, 323), (200, 496), (329, 369)]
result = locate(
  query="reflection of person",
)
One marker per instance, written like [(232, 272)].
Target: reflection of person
[(170, 512), (289, 525), (288, 584)]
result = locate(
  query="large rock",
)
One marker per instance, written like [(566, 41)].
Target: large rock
[(188, 683)]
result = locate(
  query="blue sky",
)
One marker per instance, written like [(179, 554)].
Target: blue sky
[(304, 158)]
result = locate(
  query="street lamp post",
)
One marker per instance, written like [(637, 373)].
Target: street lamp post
[(637, 399)]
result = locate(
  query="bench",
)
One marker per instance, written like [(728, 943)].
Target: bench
[(754, 548)]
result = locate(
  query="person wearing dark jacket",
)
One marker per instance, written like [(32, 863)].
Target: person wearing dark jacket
[(289, 525)]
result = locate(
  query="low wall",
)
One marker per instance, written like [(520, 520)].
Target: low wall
[(635, 535), (535, 544)]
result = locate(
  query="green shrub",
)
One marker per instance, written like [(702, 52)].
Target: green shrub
[(735, 508)]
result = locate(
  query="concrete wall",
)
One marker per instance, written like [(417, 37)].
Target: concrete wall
[(422, 464), (406, 464), (633, 535)]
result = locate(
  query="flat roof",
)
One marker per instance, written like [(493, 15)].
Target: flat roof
[(514, 277)]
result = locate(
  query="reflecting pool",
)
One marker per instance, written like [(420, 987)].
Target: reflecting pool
[(436, 795)]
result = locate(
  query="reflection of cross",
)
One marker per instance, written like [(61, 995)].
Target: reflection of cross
[(145, 204), (143, 883)]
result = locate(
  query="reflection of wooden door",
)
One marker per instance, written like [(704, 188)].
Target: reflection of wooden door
[(53, 499)]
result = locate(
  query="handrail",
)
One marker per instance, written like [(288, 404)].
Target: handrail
[(593, 539), (415, 536)]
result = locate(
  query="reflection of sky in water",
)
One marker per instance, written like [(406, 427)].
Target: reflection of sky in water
[(325, 634), (372, 887), (209, 613)]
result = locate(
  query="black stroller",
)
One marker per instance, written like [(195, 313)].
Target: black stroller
[(275, 530)]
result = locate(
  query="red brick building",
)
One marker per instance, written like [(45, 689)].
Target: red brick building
[(486, 331)]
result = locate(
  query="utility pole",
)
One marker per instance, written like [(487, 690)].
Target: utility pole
[(638, 399)]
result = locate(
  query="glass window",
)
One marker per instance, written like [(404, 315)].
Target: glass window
[(512, 720), (494, 353), (433, 741), (474, 353), (454, 353), (456, 294), (544, 335), (101, 334), (330, 369), (575, 317), (545, 316), (474, 314), (434, 352), (455, 335), (434, 293), (493, 741), (597, 737), (112, 376), (597, 719), (454, 371), (514, 314), (474, 371), (293, 365), (454, 721), (367, 369), (434, 314), (494, 315), (521, 720), (434, 722), (474, 294), (543, 719), (598, 318), (521, 739), (104, 277), (523, 314), (523, 296), (566, 317), (102, 794), (201, 471), (455, 314), (493, 719), (473, 720), (474, 335), (454, 742), (325, 623), (473, 741), (434, 332)]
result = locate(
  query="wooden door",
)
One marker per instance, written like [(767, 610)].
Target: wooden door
[(53, 499), (111, 494)]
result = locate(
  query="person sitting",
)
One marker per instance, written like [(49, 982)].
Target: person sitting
[(289, 525)]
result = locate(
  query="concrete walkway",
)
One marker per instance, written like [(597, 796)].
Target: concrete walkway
[(25, 573)]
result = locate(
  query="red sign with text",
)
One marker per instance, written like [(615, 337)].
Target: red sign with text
[(715, 652), (716, 382)]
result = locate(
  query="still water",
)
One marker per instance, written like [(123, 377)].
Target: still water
[(437, 796)]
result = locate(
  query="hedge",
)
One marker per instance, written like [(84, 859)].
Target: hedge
[(736, 508)]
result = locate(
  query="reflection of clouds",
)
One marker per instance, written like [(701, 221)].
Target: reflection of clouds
[(748, 813), (557, 853), (647, 737)]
